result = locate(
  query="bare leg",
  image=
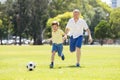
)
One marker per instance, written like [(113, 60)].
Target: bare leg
[(52, 59), (78, 54), (52, 56)]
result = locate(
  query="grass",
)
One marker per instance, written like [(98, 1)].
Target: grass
[(97, 63)]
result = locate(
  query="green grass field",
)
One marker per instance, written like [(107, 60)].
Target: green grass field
[(97, 63)]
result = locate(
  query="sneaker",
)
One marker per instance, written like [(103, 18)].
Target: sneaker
[(63, 57), (77, 65), (51, 65)]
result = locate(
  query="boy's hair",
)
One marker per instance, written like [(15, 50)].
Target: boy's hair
[(55, 23)]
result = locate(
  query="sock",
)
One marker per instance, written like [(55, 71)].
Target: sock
[(62, 54), (52, 63)]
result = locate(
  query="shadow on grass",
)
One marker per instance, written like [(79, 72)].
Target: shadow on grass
[(71, 66)]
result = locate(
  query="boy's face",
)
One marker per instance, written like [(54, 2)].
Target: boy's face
[(54, 27)]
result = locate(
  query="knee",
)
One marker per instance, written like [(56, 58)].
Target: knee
[(53, 53), (78, 49)]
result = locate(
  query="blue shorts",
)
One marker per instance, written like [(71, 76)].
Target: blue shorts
[(75, 42), (57, 48)]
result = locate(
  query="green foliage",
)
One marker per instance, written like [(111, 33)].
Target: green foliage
[(59, 18), (29, 18), (104, 6), (0, 22), (99, 15), (115, 23), (33, 15), (102, 30)]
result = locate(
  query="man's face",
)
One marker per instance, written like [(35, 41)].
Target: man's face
[(54, 27), (76, 14)]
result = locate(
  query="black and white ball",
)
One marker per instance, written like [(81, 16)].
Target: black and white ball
[(31, 66)]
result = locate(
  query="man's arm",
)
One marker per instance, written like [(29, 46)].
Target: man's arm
[(89, 35), (66, 32)]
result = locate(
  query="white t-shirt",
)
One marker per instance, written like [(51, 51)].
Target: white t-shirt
[(76, 28)]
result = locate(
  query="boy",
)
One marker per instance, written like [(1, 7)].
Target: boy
[(57, 40)]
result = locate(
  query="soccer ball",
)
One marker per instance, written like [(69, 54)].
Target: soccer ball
[(31, 66)]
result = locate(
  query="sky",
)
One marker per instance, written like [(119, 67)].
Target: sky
[(107, 1), (2, 1)]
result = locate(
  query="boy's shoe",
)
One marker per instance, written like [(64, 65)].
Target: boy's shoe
[(51, 65), (77, 65), (63, 57)]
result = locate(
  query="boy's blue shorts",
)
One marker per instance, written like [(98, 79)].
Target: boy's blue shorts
[(75, 42), (57, 48)]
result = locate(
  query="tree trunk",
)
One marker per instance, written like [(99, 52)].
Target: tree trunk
[(1, 41), (101, 42), (20, 43), (35, 38), (39, 40)]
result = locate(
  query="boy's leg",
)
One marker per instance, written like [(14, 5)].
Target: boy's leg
[(53, 56), (52, 59), (54, 49), (60, 49)]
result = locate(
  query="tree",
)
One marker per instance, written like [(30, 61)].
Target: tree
[(56, 7), (1, 31), (106, 8), (99, 15), (6, 27), (115, 23), (102, 30), (39, 16), (30, 18)]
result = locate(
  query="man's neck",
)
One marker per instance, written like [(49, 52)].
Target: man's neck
[(76, 19)]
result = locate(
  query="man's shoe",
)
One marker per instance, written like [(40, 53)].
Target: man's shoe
[(77, 65)]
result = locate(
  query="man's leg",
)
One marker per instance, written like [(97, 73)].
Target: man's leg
[(78, 56), (72, 44), (78, 50)]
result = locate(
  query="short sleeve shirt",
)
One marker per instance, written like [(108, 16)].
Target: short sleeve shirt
[(76, 28), (57, 36)]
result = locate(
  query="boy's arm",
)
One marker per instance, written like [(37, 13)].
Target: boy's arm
[(50, 39)]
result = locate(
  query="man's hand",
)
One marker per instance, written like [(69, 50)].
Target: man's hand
[(65, 37), (90, 39)]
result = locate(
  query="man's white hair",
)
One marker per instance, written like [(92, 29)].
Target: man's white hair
[(76, 10)]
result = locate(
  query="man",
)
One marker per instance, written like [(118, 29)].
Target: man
[(75, 27)]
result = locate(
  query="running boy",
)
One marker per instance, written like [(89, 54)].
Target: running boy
[(57, 42)]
